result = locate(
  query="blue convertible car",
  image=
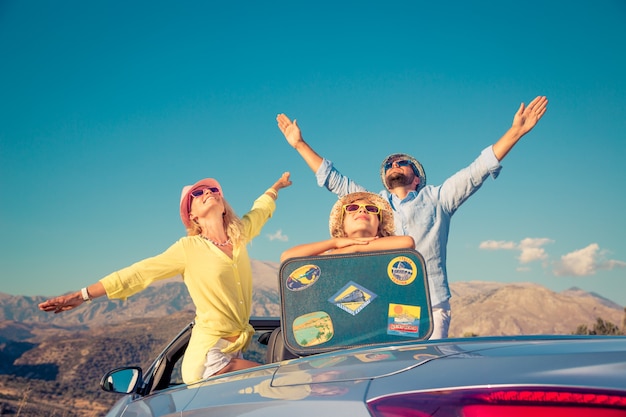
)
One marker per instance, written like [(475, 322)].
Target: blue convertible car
[(352, 341)]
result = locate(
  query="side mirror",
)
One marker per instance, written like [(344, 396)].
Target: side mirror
[(121, 380)]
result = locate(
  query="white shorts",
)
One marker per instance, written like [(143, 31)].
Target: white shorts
[(216, 360), (441, 320)]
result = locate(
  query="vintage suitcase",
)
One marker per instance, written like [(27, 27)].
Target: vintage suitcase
[(338, 301)]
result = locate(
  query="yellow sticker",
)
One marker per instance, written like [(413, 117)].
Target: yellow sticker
[(313, 329), (402, 270), (404, 320)]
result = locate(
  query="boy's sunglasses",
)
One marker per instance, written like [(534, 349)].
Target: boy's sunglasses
[(399, 162), (370, 208), (200, 191)]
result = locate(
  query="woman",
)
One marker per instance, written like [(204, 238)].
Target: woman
[(215, 267), (359, 222)]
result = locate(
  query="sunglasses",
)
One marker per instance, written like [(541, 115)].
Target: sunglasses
[(370, 208), (200, 191), (399, 162)]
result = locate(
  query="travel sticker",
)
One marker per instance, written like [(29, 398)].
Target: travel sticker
[(375, 356), (352, 298), (404, 320), (303, 277), (402, 270), (313, 329)]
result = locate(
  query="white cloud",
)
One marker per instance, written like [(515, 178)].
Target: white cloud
[(585, 262), (278, 236), (582, 262), (497, 245), (530, 248)]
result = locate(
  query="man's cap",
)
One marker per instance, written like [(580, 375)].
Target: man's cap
[(418, 169)]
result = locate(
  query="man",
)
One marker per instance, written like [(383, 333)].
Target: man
[(424, 211)]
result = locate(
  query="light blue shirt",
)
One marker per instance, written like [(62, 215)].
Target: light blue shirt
[(425, 215)]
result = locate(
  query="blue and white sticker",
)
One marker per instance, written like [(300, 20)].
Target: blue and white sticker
[(303, 277), (402, 270), (352, 298)]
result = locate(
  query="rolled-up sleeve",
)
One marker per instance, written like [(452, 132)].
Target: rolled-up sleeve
[(327, 176), (490, 162), (460, 186), (262, 209)]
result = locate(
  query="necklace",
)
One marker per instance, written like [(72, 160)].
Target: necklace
[(228, 242)]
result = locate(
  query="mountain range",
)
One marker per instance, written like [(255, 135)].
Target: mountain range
[(479, 308), (50, 364)]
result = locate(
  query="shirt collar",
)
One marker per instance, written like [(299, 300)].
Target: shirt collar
[(395, 201)]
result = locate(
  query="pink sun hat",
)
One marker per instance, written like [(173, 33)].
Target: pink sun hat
[(185, 197)]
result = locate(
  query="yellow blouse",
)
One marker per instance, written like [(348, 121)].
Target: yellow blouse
[(220, 287)]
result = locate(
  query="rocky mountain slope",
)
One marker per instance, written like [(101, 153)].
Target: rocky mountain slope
[(493, 309), (160, 299), (480, 308), (51, 364)]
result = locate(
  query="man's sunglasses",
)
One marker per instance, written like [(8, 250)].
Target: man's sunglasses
[(399, 162), (200, 191), (370, 208)]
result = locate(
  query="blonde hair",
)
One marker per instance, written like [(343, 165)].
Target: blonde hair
[(232, 224), (386, 225)]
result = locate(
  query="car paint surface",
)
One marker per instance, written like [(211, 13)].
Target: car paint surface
[(340, 383)]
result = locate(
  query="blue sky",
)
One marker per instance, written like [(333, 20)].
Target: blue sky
[(110, 107)]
